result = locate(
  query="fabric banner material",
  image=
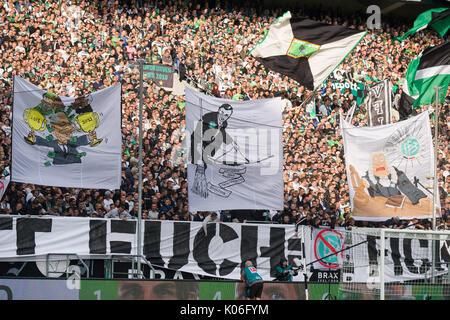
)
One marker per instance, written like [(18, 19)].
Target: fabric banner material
[(305, 50), (235, 158), (437, 18), (429, 70), (390, 169), (327, 248), (379, 104), (183, 246), (180, 246), (4, 186), (356, 88), (406, 257), (161, 75), (64, 141)]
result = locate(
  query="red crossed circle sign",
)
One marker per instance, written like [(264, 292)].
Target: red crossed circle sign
[(328, 242)]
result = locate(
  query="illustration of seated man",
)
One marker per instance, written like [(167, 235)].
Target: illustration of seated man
[(62, 140), (381, 177), (383, 180), (210, 134)]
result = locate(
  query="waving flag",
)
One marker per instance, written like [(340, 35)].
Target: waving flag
[(430, 69), (438, 19), (305, 50)]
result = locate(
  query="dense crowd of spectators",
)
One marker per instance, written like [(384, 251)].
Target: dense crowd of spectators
[(75, 47)]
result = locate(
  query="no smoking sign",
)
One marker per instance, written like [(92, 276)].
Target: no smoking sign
[(326, 243)]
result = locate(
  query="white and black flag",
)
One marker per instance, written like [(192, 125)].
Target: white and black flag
[(379, 104), (235, 159), (305, 50)]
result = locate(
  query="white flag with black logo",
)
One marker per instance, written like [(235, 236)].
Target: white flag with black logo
[(64, 141), (379, 104), (305, 50), (235, 159)]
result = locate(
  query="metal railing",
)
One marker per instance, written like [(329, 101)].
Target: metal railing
[(135, 266), (67, 259)]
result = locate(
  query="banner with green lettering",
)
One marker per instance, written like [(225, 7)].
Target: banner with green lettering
[(160, 74)]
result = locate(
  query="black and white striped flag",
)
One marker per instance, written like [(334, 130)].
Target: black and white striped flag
[(305, 50)]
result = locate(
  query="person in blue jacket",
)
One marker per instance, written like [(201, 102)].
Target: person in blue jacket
[(284, 271), (254, 283)]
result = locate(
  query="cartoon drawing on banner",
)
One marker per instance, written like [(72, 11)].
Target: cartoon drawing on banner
[(61, 122), (387, 187), (87, 120), (209, 137)]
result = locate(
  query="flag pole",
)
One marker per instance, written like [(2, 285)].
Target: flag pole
[(436, 141), (436, 185), (139, 240)]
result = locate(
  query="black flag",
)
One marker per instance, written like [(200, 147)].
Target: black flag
[(405, 105)]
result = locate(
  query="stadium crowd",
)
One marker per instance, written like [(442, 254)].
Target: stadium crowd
[(75, 47)]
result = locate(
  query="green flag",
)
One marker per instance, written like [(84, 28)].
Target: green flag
[(429, 70), (438, 19)]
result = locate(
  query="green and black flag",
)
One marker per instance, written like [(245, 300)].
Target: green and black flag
[(438, 19), (305, 50), (430, 69)]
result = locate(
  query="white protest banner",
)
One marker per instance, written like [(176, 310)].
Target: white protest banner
[(66, 142), (236, 153), (390, 169)]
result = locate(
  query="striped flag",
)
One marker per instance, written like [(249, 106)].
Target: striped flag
[(430, 69), (305, 50), (438, 19)]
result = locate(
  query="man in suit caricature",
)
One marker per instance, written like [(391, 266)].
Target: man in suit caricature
[(215, 123), (63, 142)]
